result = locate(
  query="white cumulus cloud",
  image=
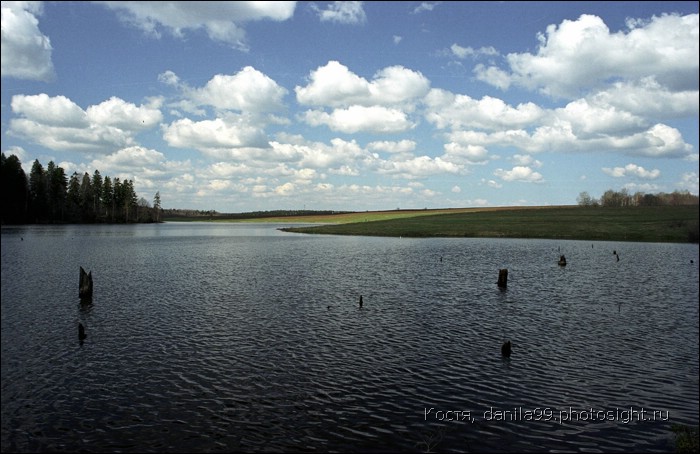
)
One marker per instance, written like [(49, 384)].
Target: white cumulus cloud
[(247, 91), (222, 21), (60, 124), (26, 52), (519, 173), (632, 170), (583, 54), (341, 12), (456, 111), (375, 119), (334, 85)]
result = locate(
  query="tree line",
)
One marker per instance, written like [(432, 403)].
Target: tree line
[(623, 198), (185, 214), (49, 196)]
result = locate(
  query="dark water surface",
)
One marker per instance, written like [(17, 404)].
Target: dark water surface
[(235, 337)]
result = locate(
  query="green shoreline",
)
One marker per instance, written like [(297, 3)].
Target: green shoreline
[(670, 224)]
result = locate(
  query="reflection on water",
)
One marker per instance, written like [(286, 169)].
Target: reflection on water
[(205, 337)]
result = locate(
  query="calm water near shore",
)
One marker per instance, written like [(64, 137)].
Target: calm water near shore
[(239, 337)]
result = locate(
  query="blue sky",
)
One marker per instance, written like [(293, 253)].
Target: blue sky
[(247, 106)]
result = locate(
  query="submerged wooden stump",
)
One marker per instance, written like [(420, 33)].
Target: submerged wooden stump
[(85, 290), (503, 278), (81, 332), (506, 349), (562, 261)]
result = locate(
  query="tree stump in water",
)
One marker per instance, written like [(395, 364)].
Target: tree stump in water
[(503, 278), (85, 290), (506, 349), (562, 261)]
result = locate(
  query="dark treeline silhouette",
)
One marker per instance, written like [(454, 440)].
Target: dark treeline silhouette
[(49, 196), (623, 198), (178, 213)]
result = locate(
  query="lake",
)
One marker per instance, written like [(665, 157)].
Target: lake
[(206, 337)]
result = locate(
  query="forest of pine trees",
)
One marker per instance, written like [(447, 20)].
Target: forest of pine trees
[(49, 196)]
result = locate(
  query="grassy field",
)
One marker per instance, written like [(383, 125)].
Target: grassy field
[(677, 224), (364, 216)]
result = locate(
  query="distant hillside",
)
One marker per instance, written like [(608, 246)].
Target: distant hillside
[(185, 215), (676, 224)]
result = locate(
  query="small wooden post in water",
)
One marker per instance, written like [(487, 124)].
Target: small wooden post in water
[(506, 349), (503, 278), (85, 291)]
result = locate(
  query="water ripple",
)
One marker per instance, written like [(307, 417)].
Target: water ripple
[(210, 340)]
